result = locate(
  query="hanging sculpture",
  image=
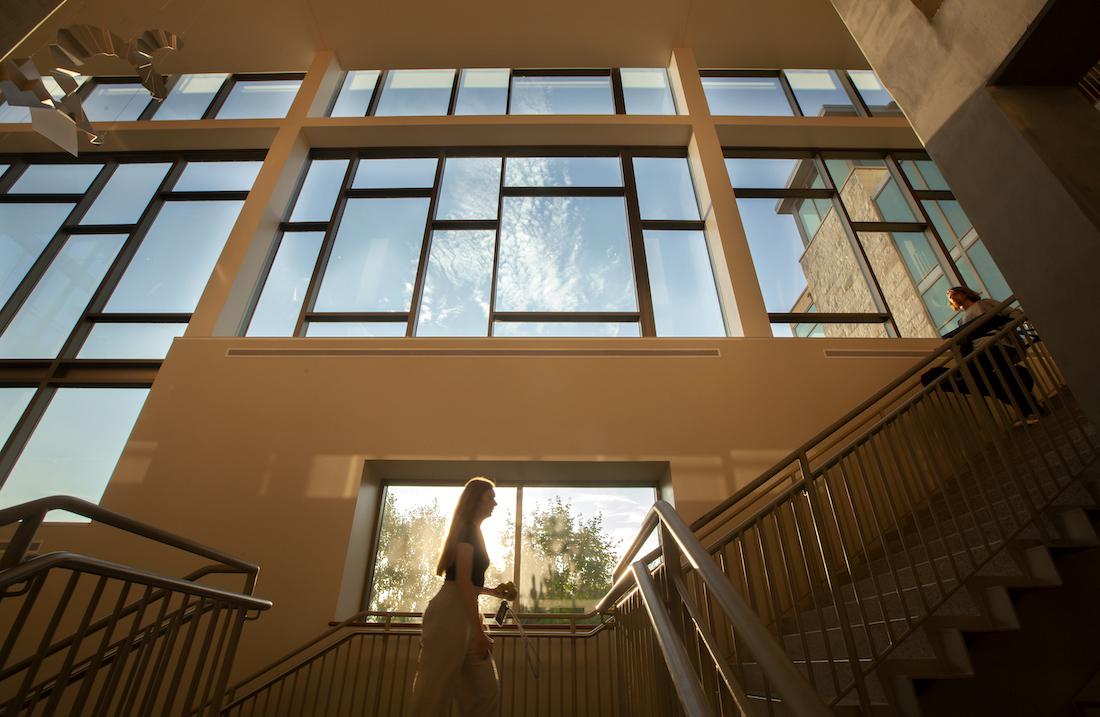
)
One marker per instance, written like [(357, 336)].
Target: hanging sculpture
[(59, 120)]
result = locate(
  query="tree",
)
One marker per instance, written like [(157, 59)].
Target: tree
[(567, 560), (408, 546)]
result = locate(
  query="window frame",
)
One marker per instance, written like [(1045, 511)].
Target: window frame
[(859, 106), (644, 316)]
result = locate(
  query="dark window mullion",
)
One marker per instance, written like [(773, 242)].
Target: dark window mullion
[(454, 92), (563, 191), (508, 96), (219, 98), (426, 241), (496, 237), (422, 193), (53, 247), (862, 259), (326, 248), (337, 317), (151, 108), (379, 83), (617, 91), (24, 427), (772, 193), (946, 260), (786, 85), (856, 98), (637, 245), (11, 175)]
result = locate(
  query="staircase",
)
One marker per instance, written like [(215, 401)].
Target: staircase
[(854, 577)]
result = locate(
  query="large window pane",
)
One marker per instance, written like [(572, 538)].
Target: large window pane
[(685, 300), (411, 93), (646, 91), (541, 95), (191, 96), (13, 401), (130, 341), (355, 94), (917, 253), (565, 254), (55, 179), (353, 329), (116, 102), (259, 99), (218, 176), (13, 115), (127, 193), (285, 289), (869, 191), (991, 276), (374, 258), (413, 528), (949, 218), (819, 93), (875, 96), (754, 96), (75, 447), (319, 191), (174, 261), (935, 298), (572, 540), (414, 173), (482, 92), (470, 188), (47, 317), (793, 275), (457, 284), (753, 173), (665, 190), (25, 229), (563, 172), (567, 329), (924, 174)]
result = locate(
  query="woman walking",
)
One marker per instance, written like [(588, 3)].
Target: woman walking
[(456, 663)]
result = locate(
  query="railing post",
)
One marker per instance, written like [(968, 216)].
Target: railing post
[(21, 541), (226, 663)]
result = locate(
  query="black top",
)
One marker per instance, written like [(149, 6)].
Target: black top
[(472, 535)]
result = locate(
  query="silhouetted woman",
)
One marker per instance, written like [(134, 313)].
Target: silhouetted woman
[(456, 663)]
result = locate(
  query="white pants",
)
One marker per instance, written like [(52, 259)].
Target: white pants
[(450, 669)]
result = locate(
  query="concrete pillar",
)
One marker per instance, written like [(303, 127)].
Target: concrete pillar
[(1023, 161)]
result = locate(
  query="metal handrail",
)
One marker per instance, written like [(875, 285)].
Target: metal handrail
[(31, 514), (942, 352)]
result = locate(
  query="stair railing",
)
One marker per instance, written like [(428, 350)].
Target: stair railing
[(88, 636)]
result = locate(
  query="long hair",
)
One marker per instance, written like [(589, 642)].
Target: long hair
[(966, 292), (472, 492)]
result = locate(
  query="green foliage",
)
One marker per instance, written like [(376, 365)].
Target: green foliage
[(408, 547)]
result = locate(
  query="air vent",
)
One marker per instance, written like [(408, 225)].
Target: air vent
[(468, 352)]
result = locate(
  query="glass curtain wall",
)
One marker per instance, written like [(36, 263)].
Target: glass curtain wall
[(449, 244)]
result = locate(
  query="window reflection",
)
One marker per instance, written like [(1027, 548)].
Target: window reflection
[(116, 102), (13, 401), (563, 172), (130, 341), (414, 173), (320, 190), (483, 92), (753, 96), (819, 93), (878, 100), (457, 284), (352, 329), (190, 96), (25, 230), (470, 188), (259, 99), (565, 95), (646, 91), (665, 190), (218, 176), (287, 282), (56, 179), (681, 280), (408, 93), (355, 94), (126, 194)]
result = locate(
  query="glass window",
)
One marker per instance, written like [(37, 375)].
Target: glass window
[(354, 329), (917, 253), (567, 329), (413, 527), (924, 174), (753, 173), (25, 230), (665, 190), (646, 91), (126, 194), (935, 298), (457, 284), (793, 275), (869, 191), (752, 96), (949, 218), (75, 447), (875, 96), (56, 179), (13, 115), (470, 188), (258, 99), (116, 102), (991, 276), (482, 92), (413, 173), (48, 315), (374, 259), (171, 267), (355, 94), (572, 540), (319, 191), (563, 172), (218, 176), (130, 341), (190, 96), (565, 254), (564, 95), (287, 282), (13, 401), (819, 93), (3, 168), (685, 300), (413, 93)]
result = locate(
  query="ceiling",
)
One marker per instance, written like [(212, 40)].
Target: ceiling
[(274, 35)]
